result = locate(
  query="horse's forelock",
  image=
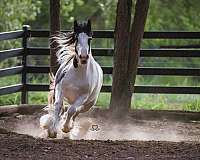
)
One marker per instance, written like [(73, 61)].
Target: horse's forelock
[(83, 27)]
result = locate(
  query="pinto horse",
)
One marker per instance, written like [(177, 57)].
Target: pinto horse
[(78, 80)]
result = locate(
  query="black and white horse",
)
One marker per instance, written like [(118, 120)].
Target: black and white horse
[(78, 79)]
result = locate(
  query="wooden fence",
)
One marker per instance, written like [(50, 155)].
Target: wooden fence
[(25, 51)]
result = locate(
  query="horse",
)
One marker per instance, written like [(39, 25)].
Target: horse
[(78, 80)]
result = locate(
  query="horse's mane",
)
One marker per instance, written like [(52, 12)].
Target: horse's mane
[(63, 44)]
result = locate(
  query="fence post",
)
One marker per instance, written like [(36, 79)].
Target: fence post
[(24, 94)]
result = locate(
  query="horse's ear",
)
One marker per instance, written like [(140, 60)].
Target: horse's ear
[(89, 25), (75, 26), (75, 62)]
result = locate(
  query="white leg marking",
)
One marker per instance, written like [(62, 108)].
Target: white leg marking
[(52, 130)]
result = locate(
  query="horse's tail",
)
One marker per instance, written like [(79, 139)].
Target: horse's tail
[(52, 81), (63, 44), (51, 94)]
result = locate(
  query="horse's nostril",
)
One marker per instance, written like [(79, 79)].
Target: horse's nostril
[(84, 61), (84, 57)]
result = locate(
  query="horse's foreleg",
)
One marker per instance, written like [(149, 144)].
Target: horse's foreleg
[(72, 112), (67, 122), (58, 101), (83, 109)]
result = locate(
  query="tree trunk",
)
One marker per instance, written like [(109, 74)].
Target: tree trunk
[(120, 93), (54, 27), (137, 31), (127, 46)]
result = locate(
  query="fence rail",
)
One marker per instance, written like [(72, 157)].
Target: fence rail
[(147, 35), (25, 51), (11, 71), (108, 70), (143, 52), (11, 89), (11, 35), (11, 53), (138, 89)]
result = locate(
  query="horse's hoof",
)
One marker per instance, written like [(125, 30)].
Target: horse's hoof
[(52, 134), (65, 129)]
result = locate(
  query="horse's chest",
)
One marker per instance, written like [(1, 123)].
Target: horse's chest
[(77, 86), (72, 89)]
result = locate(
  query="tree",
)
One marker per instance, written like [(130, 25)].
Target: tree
[(54, 27), (120, 90), (127, 45)]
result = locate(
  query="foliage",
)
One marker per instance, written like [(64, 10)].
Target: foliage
[(163, 16), (97, 10), (14, 13), (179, 15)]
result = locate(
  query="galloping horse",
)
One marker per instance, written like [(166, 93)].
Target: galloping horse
[(78, 79)]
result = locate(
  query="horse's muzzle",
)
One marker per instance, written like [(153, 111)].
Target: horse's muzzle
[(83, 59)]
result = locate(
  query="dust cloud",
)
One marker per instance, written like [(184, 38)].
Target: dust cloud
[(109, 129), (28, 126), (29, 129), (103, 130)]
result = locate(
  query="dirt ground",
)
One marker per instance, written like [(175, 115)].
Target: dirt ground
[(17, 146), (133, 139)]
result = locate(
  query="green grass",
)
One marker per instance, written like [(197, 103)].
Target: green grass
[(103, 100), (37, 97), (193, 106), (166, 102), (10, 80), (10, 99)]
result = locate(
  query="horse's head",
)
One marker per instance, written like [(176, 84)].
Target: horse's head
[(83, 37)]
